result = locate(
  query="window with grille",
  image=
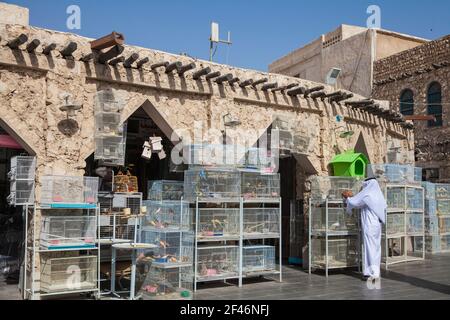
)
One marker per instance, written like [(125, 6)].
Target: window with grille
[(435, 104)]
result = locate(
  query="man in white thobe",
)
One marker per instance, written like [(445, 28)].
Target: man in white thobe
[(373, 208)]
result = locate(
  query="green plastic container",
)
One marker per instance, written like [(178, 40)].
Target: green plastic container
[(350, 164)]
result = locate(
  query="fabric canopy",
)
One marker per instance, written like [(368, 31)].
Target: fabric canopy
[(6, 141)]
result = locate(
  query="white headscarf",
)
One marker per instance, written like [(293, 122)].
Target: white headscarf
[(371, 197)]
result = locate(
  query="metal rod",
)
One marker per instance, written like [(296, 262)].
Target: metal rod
[(233, 81), (260, 81), (69, 49), (269, 86), (17, 42), (183, 69), (224, 78), (142, 62), (203, 72), (87, 57), (114, 52), (246, 83), (159, 65), (173, 66), (33, 45), (213, 75), (116, 61), (296, 91), (49, 48), (108, 41), (128, 62)]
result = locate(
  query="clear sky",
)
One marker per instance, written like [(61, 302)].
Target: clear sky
[(262, 30)]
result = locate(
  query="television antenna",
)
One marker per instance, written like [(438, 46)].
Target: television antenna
[(215, 40)]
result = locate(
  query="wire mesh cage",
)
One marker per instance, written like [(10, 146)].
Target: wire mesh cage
[(431, 225), (395, 173), (66, 274), (165, 190), (443, 207), (444, 224), (430, 190), (414, 199), (127, 203), (220, 155), (415, 247), (431, 208), (338, 219), (442, 191), (395, 197), (261, 221), (395, 249), (258, 259), (415, 223), (174, 248), (396, 224), (22, 168), (212, 184), (445, 243), (257, 158), (65, 232), (118, 227), (168, 215), (110, 148), (108, 124), (164, 284), (22, 192), (216, 263), (331, 188), (343, 252), (260, 186), (218, 222), (69, 190)]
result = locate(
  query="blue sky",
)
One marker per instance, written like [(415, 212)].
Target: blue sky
[(262, 30)]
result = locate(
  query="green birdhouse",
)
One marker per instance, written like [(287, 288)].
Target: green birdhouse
[(350, 164)]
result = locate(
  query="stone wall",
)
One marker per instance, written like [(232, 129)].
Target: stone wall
[(416, 69)]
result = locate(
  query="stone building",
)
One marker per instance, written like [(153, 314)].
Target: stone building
[(34, 83), (416, 82), (350, 48)]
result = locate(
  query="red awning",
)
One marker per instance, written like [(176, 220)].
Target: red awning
[(8, 142)]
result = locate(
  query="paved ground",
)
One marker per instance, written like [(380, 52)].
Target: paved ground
[(417, 280)]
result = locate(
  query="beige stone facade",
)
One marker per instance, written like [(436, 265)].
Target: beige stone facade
[(416, 70)]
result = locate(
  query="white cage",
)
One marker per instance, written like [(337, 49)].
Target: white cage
[(261, 221), (69, 190), (258, 259), (445, 243), (110, 148), (68, 274), (430, 190), (396, 223), (165, 190), (443, 207), (22, 192), (218, 222), (65, 232), (22, 168), (217, 263), (395, 197), (338, 220), (174, 248), (331, 188), (108, 124), (433, 244), (342, 253), (431, 225), (168, 215), (431, 208), (415, 223), (260, 186), (442, 191), (444, 224), (164, 284), (212, 184), (257, 158), (414, 199), (394, 173)]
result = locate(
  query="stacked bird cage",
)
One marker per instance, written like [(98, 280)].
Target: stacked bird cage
[(432, 239), (165, 190), (217, 263), (22, 177), (261, 221), (216, 223), (260, 186), (168, 215), (331, 188), (258, 259), (69, 190)]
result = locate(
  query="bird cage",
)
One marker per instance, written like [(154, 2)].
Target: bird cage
[(65, 232), (395, 197), (217, 263), (118, 227), (260, 186), (343, 252), (22, 168), (258, 259), (66, 274), (108, 124), (338, 219), (394, 173), (167, 215), (331, 188), (395, 249), (110, 148), (445, 243), (22, 192), (415, 223), (444, 224), (443, 207), (302, 143), (128, 203), (261, 221), (431, 208), (415, 247), (430, 190), (257, 158), (165, 284), (218, 222), (165, 190), (442, 191), (414, 199), (395, 224), (69, 190), (433, 244), (431, 225), (174, 248), (206, 183)]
